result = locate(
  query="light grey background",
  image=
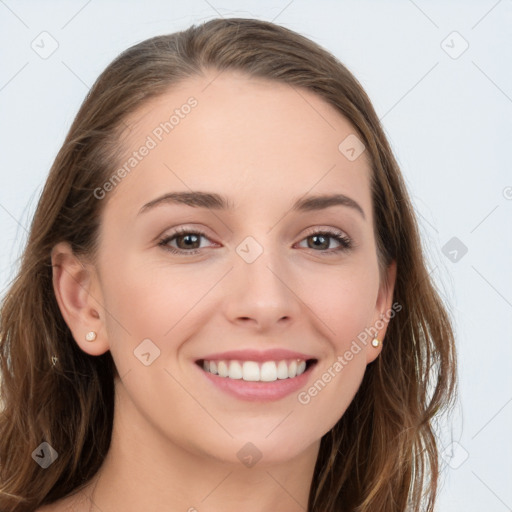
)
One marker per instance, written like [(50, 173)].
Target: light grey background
[(447, 111)]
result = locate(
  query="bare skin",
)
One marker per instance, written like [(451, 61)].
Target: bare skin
[(176, 436)]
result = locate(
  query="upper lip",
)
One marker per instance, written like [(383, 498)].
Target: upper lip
[(275, 354)]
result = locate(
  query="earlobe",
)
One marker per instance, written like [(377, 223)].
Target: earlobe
[(383, 308), (73, 287)]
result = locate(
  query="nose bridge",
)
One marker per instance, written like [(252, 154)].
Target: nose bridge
[(260, 283)]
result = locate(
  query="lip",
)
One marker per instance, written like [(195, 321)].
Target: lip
[(259, 391), (275, 354)]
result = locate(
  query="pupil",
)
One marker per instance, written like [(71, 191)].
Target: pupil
[(316, 237), (188, 238)]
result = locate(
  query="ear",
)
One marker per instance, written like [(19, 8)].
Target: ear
[(79, 297), (383, 308)]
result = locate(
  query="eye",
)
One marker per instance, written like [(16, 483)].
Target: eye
[(188, 241), (320, 240)]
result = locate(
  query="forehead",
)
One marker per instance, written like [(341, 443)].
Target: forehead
[(229, 132)]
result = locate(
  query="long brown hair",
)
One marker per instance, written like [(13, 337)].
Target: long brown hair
[(382, 454)]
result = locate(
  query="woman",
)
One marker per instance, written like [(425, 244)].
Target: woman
[(223, 301)]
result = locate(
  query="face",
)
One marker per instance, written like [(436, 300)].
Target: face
[(181, 283)]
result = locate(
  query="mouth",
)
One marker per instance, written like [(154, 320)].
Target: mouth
[(257, 371)]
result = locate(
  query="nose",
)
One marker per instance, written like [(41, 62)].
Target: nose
[(261, 294)]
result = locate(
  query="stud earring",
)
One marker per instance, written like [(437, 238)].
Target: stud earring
[(90, 336), (375, 342)]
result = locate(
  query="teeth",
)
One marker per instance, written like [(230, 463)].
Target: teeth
[(235, 370), (267, 371), (282, 370), (292, 369), (250, 371), (222, 368)]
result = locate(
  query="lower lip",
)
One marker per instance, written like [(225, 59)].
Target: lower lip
[(259, 391)]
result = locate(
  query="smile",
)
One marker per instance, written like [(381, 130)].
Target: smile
[(252, 371)]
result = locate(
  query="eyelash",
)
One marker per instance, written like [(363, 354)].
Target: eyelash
[(345, 242)]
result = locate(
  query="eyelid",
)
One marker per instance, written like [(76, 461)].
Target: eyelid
[(346, 243), (325, 229), (183, 229)]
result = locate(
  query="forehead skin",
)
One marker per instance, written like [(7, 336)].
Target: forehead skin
[(261, 142)]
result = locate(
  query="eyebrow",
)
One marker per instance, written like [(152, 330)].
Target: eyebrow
[(197, 199)]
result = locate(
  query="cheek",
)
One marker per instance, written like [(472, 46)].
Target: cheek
[(133, 300), (344, 300), (345, 303), (150, 301)]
